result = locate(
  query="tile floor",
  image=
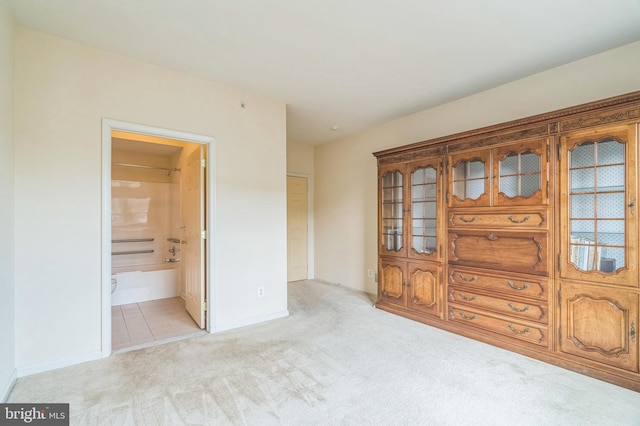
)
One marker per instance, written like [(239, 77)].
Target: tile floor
[(147, 322)]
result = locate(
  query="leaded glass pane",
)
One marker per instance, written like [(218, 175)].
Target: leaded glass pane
[(520, 174), (582, 180), (392, 211), (476, 169), (610, 152), (597, 196), (610, 178), (423, 210), (582, 206), (583, 156), (509, 165), (509, 186), (468, 179), (529, 185), (611, 205), (476, 188), (530, 162)]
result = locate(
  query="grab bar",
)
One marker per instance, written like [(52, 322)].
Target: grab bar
[(133, 240), (118, 253)]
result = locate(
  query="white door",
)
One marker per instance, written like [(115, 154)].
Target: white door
[(296, 228), (194, 238)]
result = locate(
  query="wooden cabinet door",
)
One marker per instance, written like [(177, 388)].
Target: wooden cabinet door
[(469, 179), (392, 210), (599, 324), (520, 174), (392, 285), (425, 218), (598, 206), (424, 283)]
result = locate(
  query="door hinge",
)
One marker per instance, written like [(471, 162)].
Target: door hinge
[(203, 235), (203, 163), (204, 306), (559, 298), (559, 262), (548, 152), (547, 190)]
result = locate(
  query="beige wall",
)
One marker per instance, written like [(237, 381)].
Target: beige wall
[(345, 171), (62, 92), (7, 278), (300, 158)]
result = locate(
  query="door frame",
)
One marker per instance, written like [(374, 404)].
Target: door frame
[(310, 234), (108, 126)]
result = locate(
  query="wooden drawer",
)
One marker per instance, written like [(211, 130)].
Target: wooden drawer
[(512, 251), (526, 332), (533, 287), (524, 220), (532, 311)]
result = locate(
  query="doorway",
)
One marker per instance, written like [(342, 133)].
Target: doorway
[(155, 197), (297, 228)]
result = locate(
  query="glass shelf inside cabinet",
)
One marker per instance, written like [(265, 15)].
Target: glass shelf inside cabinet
[(469, 179), (392, 211), (423, 210), (597, 207), (520, 174)]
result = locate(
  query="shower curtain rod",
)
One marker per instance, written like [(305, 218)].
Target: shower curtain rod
[(140, 166)]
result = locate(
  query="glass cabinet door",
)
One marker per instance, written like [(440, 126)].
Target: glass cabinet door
[(521, 171), (425, 202), (392, 212), (469, 179), (598, 205)]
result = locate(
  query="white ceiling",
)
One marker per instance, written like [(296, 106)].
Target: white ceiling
[(345, 63)]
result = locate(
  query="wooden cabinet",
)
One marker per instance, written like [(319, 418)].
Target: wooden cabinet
[(540, 243), (510, 175), (599, 324), (598, 213), (415, 286), (410, 230)]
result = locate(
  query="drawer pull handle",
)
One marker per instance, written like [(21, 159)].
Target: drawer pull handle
[(524, 287), (463, 278), (468, 299), (472, 317), (473, 219), (526, 218), (526, 308), (515, 330)]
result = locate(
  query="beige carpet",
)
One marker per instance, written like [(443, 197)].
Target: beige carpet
[(334, 361)]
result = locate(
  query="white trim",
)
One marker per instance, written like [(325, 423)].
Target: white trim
[(310, 234), (250, 321), (108, 126), (61, 363), (7, 390)]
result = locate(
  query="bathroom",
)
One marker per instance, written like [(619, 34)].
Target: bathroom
[(150, 210)]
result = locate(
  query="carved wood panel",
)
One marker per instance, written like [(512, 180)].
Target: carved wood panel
[(507, 251), (599, 324)]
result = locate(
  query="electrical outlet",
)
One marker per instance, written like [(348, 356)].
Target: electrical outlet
[(260, 291)]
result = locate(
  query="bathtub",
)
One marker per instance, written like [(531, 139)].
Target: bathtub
[(133, 284)]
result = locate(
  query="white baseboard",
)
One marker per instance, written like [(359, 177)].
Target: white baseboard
[(53, 365), (9, 386), (250, 321)]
